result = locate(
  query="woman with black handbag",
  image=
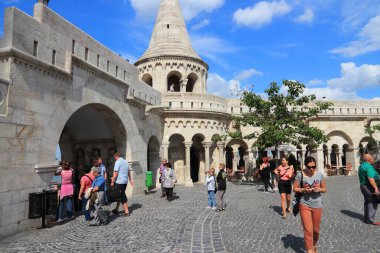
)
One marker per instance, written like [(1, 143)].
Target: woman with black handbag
[(310, 183)]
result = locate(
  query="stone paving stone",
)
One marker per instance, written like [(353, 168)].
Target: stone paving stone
[(250, 223)]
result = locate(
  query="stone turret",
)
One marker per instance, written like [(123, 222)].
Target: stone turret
[(170, 62), (45, 2)]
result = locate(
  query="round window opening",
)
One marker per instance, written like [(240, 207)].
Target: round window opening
[(1, 97)]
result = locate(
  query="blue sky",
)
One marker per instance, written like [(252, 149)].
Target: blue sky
[(333, 46)]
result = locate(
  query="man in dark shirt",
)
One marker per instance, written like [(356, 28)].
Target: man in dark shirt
[(221, 181)]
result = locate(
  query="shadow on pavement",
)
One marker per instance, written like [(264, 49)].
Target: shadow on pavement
[(134, 207), (353, 214), (294, 242), (277, 209)]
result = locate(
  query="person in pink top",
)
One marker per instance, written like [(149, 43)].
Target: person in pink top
[(67, 191), (85, 183), (285, 173)]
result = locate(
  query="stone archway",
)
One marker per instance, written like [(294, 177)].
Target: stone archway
[(197, 158), (153, 157), (236, 154), (176, 156), (174, 78), (92, 130)]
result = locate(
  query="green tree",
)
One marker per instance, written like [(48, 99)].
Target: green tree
[(372, 129), (282, 118)]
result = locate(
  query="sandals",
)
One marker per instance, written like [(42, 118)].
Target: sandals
[(289, 210), (126, 214), (114, 211)]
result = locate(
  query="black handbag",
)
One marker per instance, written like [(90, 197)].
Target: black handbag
[(297, 199)]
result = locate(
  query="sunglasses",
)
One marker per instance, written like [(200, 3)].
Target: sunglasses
[(311, 167)]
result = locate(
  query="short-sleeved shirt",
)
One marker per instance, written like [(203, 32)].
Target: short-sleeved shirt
[(99, 182), (366, 170), (122, 167), (313, 199), (102, 169), (285, 173), (87, 180)]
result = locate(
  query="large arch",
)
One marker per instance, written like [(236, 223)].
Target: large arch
[(92, 131), (340, 138), (197, 158), (177, 155), (174, 77), (236, 154), (153, 157)]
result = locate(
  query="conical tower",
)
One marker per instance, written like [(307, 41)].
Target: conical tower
[(170, 63)]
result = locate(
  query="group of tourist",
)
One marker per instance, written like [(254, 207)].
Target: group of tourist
[(94, 185), (309, 184)]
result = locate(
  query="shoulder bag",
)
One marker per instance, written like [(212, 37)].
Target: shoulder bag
[(297, 199)]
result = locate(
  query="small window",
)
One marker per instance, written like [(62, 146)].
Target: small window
[(86, 54), (35, 48), (53, 57), (108, 66), (117, 71), (125, 75), (73, 47), (168, 26), (98, 61)]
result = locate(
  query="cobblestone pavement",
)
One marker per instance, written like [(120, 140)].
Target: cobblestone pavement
[(250, 223)]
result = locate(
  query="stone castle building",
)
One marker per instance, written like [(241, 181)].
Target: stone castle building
[(60, 86)]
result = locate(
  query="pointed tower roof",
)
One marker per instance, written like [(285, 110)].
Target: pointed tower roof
[(170, 37)]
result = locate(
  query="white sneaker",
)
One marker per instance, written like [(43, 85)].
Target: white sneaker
[(208, 207), (213, 208)]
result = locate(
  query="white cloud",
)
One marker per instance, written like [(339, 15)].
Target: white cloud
[(245, 74), (212, 48), (315, 82), (369, 40), (200, 25), (147, 9), (356, 77), (219, 86), (353, 78), (261, 13), (307, 17)]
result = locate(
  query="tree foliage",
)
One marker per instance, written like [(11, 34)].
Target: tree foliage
[(372, 129), (282, 118)]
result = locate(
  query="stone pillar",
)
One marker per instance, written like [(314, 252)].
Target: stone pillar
[(338, 153), (207, 146), (188, 180), (165, 151), (220, 146), (183, 84), (302, 158), (317, 153), (328, 158)]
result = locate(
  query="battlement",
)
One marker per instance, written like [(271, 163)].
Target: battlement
[(52, 40)]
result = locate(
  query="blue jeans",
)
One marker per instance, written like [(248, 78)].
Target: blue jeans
[(69, 207), (86, 213), (211, 199)]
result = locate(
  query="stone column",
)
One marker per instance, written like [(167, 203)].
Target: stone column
[(302, 158), (328, 158), (338, 157), (165, 151), (207, 146), (188, 180), (183, 84), (220, 146), (317, 153)]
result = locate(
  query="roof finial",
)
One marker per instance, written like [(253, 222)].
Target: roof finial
[(45, 2)]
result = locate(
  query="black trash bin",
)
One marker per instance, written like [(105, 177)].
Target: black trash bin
[(36, 200), (51, 203)]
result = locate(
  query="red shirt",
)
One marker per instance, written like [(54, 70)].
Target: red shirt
[(86, 181)]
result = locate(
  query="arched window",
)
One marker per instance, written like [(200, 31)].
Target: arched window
[(191, 81), (174, 79), (147, 78)]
